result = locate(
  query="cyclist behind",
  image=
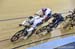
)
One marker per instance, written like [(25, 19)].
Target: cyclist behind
[(58, 18)]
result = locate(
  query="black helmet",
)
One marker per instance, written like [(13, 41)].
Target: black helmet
[(30, 17), (55, 14)]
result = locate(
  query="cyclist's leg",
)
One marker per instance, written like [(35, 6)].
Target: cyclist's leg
[(56, 23), (31, 29)]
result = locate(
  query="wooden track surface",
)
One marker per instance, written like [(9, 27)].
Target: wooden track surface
[(20, 8)]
